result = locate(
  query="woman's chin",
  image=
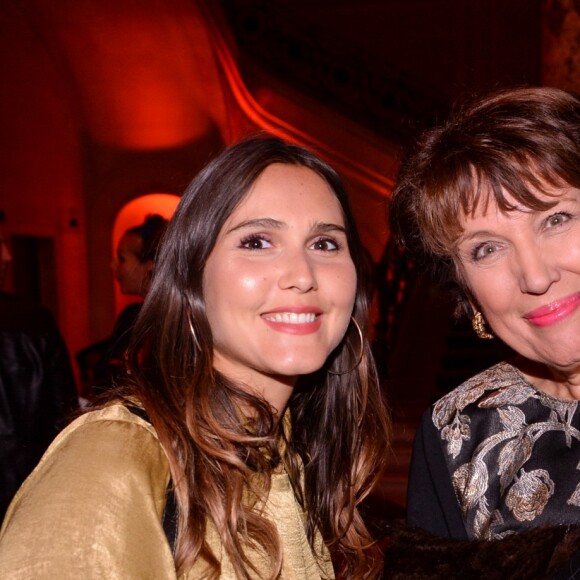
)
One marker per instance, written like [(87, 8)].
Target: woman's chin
[(297, 369)]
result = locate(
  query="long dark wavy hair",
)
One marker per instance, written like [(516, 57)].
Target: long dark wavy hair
[(339, 436)]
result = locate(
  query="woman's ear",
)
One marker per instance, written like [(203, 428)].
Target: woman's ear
[(149, 265)]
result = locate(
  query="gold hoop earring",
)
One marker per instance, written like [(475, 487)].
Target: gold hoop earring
[(478, 324), (360, 354), (192, 330)]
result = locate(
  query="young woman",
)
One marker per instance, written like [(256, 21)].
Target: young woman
[(254, 399)]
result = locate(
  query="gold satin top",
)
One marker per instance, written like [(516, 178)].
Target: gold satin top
[(92, 508)]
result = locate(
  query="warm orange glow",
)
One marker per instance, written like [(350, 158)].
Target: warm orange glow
[(148, 81), (132, 214)]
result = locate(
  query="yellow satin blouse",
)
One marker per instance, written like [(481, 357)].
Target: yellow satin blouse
[(93, 506)]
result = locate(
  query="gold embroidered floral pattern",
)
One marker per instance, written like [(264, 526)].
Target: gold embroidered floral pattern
[(512, 451), (470, 482), (455, 433), (575, 497), (529, 495)]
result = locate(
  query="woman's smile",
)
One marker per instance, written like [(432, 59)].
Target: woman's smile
[(298, 320), (554, 312)]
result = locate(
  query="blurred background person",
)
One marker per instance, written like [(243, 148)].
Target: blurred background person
[(102, 364), (37, 389)]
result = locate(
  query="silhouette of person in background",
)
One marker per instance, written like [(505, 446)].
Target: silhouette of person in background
[(37, 389), (102, 364)]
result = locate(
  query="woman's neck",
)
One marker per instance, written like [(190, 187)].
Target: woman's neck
[(275, 389), (554, 382)]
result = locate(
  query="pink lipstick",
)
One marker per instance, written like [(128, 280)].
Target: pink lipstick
[(554, 312)]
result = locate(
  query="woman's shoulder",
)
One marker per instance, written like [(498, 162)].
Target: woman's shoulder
[(115, 423), (102, 448), (118, 413), (499, 385), (96, 500), (115, 430)]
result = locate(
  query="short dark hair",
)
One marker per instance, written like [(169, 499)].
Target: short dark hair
[(516, 141), (150, 231)]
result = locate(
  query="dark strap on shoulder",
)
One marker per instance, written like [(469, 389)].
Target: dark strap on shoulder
[(169, 520), (139, 411)]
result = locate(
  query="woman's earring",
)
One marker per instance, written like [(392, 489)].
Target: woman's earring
[(192, 330), (478, 324), (360, 354)]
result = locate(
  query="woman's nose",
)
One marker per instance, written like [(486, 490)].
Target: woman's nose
[(297, 271), (537, 271)]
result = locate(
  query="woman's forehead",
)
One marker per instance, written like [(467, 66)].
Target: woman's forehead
[(490, 197), (285, 189)]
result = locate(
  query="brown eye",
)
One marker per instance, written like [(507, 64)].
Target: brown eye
[(255, 243), (326, 245)]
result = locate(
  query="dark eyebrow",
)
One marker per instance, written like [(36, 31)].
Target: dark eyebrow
[(320, 227), (476, 235), (268, 223), (271, 223)]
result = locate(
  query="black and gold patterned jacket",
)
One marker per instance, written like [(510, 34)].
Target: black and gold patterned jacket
[(509, 452)]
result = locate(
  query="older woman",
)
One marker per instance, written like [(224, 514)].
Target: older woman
[(253, 426), (491, 202)]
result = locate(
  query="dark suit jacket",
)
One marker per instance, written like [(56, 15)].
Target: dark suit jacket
[(37, 389)]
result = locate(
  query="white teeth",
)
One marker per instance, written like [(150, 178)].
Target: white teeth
[(292, 317)]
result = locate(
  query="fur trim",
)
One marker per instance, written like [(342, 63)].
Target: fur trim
[(534, 554)]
